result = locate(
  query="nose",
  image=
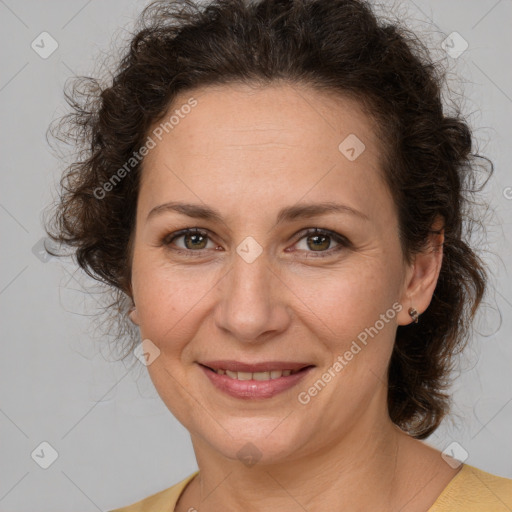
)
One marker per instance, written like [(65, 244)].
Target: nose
[(252, 305)]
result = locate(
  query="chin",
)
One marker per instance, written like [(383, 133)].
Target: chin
[(257, 440)]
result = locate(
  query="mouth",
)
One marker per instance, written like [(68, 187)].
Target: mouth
[(266, 375), (260, 380), (265, 370)]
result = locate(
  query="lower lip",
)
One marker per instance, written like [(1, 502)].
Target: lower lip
[(253, 389)]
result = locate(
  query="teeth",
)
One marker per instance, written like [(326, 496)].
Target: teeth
[(273, 374), (261, 376)]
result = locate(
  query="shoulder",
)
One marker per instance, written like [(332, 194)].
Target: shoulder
[(475, 490), (161, 501)]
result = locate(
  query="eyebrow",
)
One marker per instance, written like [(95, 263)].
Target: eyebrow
[(290, 213)]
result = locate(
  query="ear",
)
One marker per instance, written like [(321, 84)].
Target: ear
[(422, 275), (132, 314)]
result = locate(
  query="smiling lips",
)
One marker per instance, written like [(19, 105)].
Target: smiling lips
[(258, 380)]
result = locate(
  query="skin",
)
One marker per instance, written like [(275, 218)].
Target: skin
[(248, 152)]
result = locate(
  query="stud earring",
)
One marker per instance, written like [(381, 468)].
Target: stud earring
[(131, 312), (414, 315)]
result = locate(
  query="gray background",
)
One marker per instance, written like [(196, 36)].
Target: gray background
[(116, 441)]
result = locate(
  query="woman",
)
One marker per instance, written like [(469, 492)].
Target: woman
[(276, 189)]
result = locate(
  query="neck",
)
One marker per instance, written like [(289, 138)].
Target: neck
[(375, 466)]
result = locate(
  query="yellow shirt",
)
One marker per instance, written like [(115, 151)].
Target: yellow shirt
[(470, 490)]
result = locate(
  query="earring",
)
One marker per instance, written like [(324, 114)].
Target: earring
[(414, 315), (131, 311)]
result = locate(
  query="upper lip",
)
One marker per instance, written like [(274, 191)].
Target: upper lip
[(264, 366)]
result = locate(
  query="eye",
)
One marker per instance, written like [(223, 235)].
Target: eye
[(316, 241), (192, 240), (319, 241)]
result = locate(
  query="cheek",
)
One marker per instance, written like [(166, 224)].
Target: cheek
[(355, 318), (349, 299), (168, 299)]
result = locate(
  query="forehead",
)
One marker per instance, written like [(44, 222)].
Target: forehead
[(279, 138), (255, 115)]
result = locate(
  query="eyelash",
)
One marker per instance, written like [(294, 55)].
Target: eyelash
[(341, 240)]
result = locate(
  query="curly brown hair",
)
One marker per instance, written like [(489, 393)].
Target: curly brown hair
[(338, 46)]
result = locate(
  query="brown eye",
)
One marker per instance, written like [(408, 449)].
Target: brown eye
[(317, 242), (193, 240), (320, 241)]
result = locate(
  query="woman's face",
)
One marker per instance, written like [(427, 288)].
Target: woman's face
[(250, 169)]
